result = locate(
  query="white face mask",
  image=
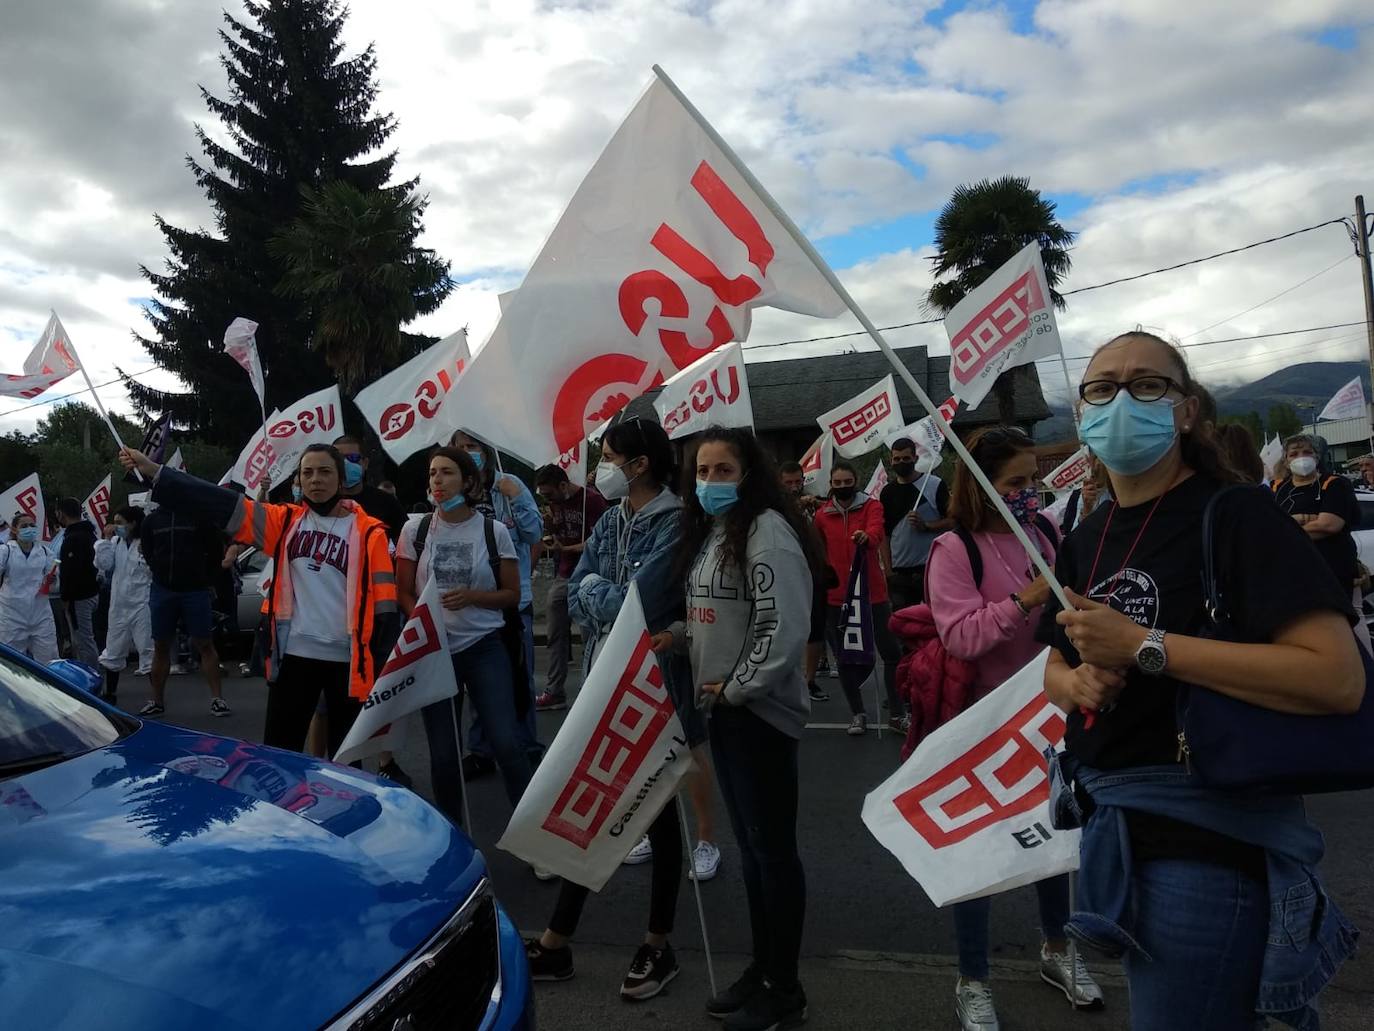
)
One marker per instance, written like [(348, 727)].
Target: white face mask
[(611, 481), (1305, 465)]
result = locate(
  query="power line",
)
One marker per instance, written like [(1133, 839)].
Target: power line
[(78, 393), (1070, 293), (1224, 340), (1281, 293)]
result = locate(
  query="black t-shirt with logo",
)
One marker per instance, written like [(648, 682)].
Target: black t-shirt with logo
[(1270, 573), (1332, 494)]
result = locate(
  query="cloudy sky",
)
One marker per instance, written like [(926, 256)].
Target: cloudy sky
[(1164, 129)]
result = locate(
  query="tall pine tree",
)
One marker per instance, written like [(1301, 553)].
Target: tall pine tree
[(299, 115)]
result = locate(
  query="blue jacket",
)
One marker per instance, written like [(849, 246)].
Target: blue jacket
[(526, 526), (1308, 936), (624, 546)]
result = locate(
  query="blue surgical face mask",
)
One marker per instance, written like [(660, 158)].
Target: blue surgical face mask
[(479, 459), (296, 492), (1129, 436), (353, 473), (122, 532), (449, 504), (717, 498), (28, 534)]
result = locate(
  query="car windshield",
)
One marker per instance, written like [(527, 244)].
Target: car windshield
[(42, 722)]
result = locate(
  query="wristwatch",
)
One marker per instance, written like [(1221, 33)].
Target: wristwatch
[(1151, 657)]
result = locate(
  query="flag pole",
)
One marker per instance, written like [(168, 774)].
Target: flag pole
[(696, 886), (822, 266), (462, 780), (100, 407)]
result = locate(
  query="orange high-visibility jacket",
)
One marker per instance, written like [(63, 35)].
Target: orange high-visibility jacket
[(373, 614)]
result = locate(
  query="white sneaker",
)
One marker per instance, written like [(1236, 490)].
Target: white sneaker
[(1074, 981), (541, 874), (973, 1006), (705, 861), (641, 853), (858, 726)]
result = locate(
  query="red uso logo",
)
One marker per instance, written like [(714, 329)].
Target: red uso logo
[(1002, 323), (399, 419), (702, 396), (319, 419), (599, 388), (1002, 776), (856, 424), (635, 716)]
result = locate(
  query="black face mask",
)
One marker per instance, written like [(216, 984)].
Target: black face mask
[(323, 508), (904, 468), (844, 493)]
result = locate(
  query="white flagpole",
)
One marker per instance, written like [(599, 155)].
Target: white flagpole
[(100, 407), (696, 886), (462, 780), (1032, 552)]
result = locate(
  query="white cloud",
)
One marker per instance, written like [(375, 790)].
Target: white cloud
[(1238, 121)]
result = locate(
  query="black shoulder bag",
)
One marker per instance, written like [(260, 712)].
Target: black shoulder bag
[(1232, 744)]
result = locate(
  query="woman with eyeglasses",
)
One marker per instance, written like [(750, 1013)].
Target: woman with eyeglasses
[(634, 541), (1212, 896), (986, 597)]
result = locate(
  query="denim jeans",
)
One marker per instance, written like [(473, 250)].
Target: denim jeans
[(1204, 929), (528, 731), (756, 766), (483, 673), (971, 924)]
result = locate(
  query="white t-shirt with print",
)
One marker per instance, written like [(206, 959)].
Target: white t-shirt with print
[(456, 556), (318, 553)]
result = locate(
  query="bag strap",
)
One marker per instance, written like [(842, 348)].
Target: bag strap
[(422, 535), (489, 527), (1211, 581), (1070, 510), (975, 557)]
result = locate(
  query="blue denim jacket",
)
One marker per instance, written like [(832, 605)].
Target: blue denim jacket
[(1308, 938)]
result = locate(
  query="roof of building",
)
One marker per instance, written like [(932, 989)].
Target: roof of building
[(790, 394)]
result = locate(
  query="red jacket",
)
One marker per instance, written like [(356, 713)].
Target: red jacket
[(836, 527), (937, 685)]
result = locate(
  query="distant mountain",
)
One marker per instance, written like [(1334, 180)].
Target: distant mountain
[(1309, 383)]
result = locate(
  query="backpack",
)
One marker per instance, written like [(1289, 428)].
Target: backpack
[(512, 629), (1070, 511), (975, 557)]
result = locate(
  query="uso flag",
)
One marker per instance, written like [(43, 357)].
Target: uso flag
[(1006, 322), (968, 813), (614, 765), (418, 672), (402, 406)]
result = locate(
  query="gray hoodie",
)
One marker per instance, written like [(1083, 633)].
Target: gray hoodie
[(749, 633)]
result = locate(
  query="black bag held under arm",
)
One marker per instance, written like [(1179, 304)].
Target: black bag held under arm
[(1232, 744)]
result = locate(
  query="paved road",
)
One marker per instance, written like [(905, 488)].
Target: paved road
[(877, 954)]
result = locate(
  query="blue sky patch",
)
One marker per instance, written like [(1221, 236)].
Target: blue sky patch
[(1339, 37)]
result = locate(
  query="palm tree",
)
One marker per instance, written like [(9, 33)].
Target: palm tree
[(980, 229), (351, 256)]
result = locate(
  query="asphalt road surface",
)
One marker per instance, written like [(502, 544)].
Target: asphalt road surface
[(877, 954)]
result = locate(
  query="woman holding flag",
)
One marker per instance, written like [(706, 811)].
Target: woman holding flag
[(332, 614), (985, 600), (745, 554), (1211, 894)]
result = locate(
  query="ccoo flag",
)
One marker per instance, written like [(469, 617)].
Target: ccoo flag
[(816, 466), (26, 498), (96, 508), (418, 672), (863, 423), (614, 765), (660, 257)]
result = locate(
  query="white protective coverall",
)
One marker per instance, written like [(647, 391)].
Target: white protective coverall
[(26, 622), (130, 624)]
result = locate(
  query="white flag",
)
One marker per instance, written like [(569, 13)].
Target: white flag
[(659, 258), (1271, 455), (177, 462), (26, 498), (97, 507), (816, 466), (1070, 474), (241, 344), (418, 672), (1006, 322), (711, 392), (968, 813), (48, 364), (315, 419), (402, 406), (574, 463), (615, 763), (1347, 404), (864, 422), (877, 481)]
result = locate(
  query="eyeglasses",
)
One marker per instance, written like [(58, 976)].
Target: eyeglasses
[(1142, 388)]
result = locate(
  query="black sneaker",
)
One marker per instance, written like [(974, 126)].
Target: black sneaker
[(817, 695), (219, 707), (733, 998), (548, 964), (770, 1009), (476, 766), (650, 971), (393, 772)]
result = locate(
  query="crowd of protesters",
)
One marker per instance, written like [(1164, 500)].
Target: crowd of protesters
[(746, 576)]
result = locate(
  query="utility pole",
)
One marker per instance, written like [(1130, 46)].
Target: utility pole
[(1366, 281)]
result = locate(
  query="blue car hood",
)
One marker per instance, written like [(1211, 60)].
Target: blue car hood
[(176, 879)]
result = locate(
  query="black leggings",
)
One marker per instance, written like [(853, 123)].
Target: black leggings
[(665, 834), (852, 678), (292, 700)]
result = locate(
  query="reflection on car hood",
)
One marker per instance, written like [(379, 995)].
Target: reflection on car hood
[(176, 879)]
